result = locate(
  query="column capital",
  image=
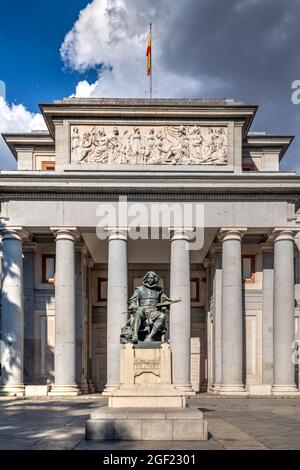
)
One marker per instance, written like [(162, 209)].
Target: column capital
[(13, 232), (117, 233), (88, 261), (284, 233), (30, 247), (181, 233), (267, 247), (231, 233), (216, 248), (207, 263), (66, 233)]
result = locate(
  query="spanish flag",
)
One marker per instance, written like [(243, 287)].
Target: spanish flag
[(148, 54)]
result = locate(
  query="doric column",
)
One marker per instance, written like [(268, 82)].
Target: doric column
[(232, 314), (284, 314), (216, 252), (267, 313), (117, 298), (180, 313), (89, 265), (65, 314), (209, 323), (12, 324), (297, 296), (29, 251)]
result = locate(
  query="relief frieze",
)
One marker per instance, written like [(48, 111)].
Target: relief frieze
[(145, 145)]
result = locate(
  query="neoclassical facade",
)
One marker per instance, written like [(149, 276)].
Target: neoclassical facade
[(65, 286)]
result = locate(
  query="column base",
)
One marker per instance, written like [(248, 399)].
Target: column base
[(91, 387), (186, 390), (109, 389), (64, 391), (233, 390), (17, 390), (284, 390), (84, 388), (214, 388)]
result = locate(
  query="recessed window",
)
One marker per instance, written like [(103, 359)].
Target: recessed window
[(48, 166), (48, 269), (195, 289), (248, 265), (101, 289), (248, 167)]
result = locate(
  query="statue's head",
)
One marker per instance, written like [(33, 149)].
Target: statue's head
[(151, 278)]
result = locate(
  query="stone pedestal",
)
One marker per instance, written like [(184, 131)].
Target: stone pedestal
[(145, 379), (151, 424), (146, 405)]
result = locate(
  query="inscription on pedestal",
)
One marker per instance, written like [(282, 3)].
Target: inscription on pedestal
[(142, 365)]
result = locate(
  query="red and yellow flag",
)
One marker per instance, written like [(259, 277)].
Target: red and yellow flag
[(148, 54)]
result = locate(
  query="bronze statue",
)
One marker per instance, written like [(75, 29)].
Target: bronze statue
[(147, 307)]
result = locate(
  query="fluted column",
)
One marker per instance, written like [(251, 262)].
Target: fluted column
[(232, 314), (12, 323), (117, 296), (65, 314), (284, 314), (180, 313)]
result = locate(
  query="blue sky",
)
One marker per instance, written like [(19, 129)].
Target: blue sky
[(242, 49), (31, 33)]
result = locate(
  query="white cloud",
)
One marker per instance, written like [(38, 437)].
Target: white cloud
[(16, 118), (111, 35)]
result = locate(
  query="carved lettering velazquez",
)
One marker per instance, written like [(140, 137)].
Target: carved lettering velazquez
[(145, 145)]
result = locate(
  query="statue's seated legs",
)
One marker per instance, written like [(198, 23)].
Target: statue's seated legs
[(158, 326), (139, 315)]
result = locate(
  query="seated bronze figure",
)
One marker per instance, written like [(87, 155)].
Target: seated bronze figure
[(147, 307)]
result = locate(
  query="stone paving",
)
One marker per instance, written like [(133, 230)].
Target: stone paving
[(43, 424)]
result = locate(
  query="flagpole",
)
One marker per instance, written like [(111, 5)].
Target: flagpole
[(151, 62)]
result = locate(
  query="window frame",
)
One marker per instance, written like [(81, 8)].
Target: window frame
[(46, 256), (44, 165), (251, 280), (99, 282)]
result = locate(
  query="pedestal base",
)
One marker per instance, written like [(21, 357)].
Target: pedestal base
[(158, 424), (64, 391), (37, 390), (151, 396), (285, 390), (17, 390), (232, 390)]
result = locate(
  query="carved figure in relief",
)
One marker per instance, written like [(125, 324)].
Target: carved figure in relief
[(75, 142), (135, 147), (86, 145), (150, 146), (179, 150), (197, 145), (114, 146), (101, 146), (221, 147)]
